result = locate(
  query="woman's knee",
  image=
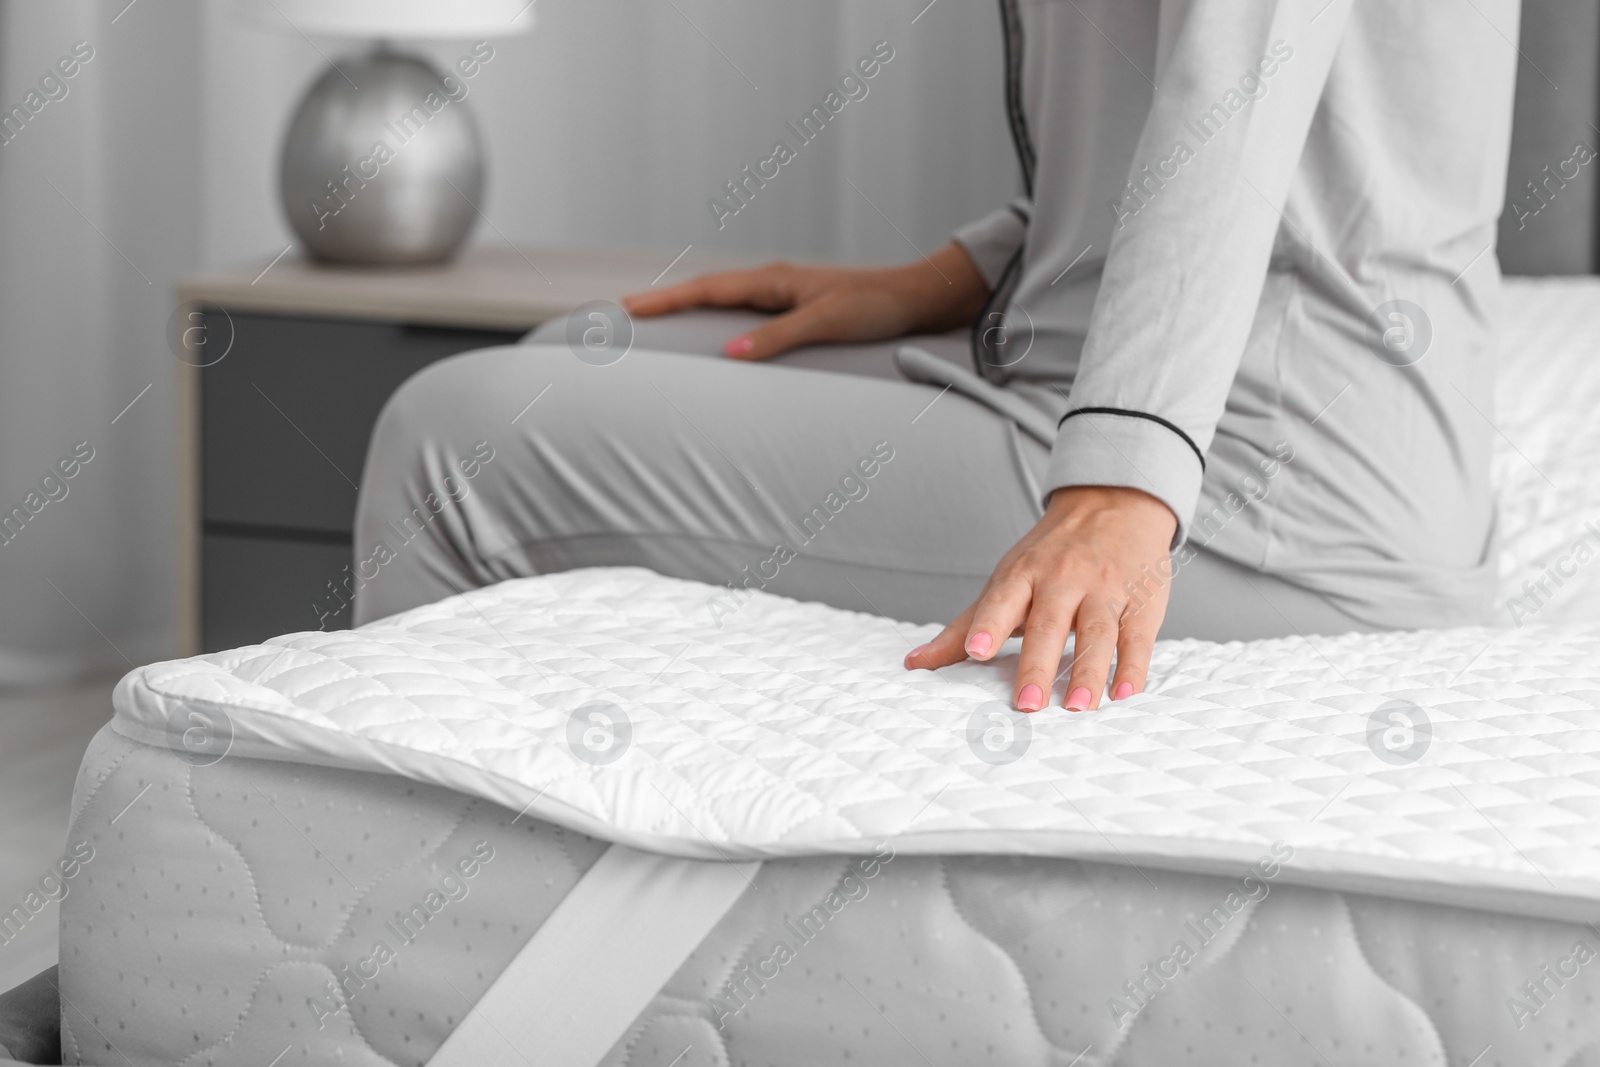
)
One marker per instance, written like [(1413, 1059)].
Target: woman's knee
[(436, 433), (452, 399), (424, 496)]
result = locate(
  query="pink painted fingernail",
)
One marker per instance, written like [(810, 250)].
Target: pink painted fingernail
[(980, 645), (1078, 699), (1124, 691), (738, 346), (1031, 698), (914, 652)]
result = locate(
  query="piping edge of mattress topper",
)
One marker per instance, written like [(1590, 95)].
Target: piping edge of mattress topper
[(1149, 857), (257, 734)]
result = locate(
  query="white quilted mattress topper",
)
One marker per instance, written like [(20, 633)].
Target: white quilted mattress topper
[(1460, 767), (1546, 445)]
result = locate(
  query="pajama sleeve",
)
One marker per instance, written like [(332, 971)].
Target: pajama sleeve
[(1238, 84), (991, 241)]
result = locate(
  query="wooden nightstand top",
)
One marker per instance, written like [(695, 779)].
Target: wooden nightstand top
[(486, 286)]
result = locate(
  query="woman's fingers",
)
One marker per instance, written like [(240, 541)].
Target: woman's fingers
[(810, 323), (810, 315), (767, 288), (1136, 637), (1096, 630), (965, 638), (651, 302), (1047, 618), (1043, 637), (945, 649), (999, 613)]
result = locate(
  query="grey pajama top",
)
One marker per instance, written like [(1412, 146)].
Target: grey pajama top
[(1255, 273)]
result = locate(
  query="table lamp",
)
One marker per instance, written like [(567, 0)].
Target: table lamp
[(383, 163)]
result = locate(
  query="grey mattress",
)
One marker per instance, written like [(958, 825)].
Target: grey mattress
[(224, 905)]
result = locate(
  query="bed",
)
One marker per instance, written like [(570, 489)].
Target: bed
[(1384, 849)]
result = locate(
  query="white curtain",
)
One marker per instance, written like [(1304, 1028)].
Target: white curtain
[(98, 199), (612, 124)]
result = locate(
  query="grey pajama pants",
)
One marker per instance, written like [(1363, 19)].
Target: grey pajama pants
[(822, 475)]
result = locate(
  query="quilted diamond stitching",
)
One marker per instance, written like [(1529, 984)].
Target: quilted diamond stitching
[(794, 731)]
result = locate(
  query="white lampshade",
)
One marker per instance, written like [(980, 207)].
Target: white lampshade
[(392, 19)]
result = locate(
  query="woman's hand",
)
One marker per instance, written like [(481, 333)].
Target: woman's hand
[(821, 304), (1096, 565)]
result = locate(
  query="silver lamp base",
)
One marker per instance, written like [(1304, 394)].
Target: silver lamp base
[(389, 173)]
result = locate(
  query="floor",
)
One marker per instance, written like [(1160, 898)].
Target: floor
[(42, 737)]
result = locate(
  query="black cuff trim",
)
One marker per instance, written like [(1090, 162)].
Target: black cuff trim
[(1157, 419)]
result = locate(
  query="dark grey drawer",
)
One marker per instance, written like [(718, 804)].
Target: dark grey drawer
[(285, 416), (258, 587)]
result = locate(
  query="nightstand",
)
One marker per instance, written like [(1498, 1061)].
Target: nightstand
[(273, 433)]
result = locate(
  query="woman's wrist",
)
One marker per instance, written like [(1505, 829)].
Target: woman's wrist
[(942, 291), (1072, 502)]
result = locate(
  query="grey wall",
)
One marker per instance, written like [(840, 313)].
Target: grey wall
[(616, 120)]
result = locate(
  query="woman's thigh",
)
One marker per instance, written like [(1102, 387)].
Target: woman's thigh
[(1215, 599), (866, 493), (859, 490)]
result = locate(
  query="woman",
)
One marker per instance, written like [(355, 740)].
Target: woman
[(1230, 373)]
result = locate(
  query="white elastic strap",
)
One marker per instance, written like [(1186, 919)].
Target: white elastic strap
[(598, 961)]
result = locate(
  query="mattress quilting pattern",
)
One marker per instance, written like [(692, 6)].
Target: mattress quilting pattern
[(230, 913), (792, 730), (1546, 446), (223, 901)]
